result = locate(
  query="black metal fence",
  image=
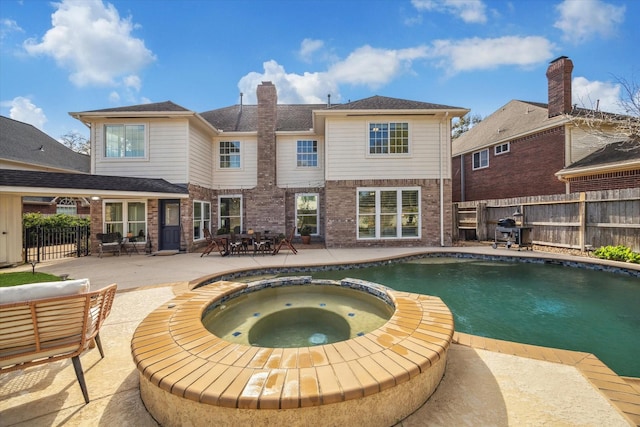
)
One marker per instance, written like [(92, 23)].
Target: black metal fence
[(41, 244)]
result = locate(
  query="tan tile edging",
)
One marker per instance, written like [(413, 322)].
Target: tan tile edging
[(175, 353), (622, 395)]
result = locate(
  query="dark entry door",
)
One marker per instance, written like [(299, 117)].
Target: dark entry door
[(169, 225)]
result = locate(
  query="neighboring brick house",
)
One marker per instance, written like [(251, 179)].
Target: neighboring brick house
[(373, 172), (24, 147), (531, 149)]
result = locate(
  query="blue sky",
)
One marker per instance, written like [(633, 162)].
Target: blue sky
[(78, 55)]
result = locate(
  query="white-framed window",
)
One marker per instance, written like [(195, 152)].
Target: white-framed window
[(307, 212), (128, 217), (125, 141), (201, 218), (389, 138), (501, 148), (385, 213), (481, 159), (230, 213), (66, 205), (229, 154), (307, 154)]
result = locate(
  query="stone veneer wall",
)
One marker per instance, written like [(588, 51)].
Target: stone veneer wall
[(341, 224)]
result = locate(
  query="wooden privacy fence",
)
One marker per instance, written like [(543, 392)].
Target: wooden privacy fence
[(577, 221)]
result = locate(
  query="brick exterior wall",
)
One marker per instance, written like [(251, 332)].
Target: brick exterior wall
[(605, 181), (528, 169), (341, 225), (51, 208)]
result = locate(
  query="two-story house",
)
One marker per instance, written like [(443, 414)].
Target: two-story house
[(531, 149), (373, 172)]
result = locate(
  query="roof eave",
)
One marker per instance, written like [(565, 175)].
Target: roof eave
[(590, 170), (511, 137), (83, 192)]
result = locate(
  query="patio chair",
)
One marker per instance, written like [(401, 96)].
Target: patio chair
[(236, 245), (212, 244), (287, 241), (260, 244)]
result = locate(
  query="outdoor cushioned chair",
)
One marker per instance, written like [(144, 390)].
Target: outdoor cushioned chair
[(46, 322)]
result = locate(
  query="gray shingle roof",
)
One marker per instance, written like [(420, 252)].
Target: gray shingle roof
[(22, 178), (385, 103), (617, 152), (290, 117), (512, 120), (22, 142), (153, 107)]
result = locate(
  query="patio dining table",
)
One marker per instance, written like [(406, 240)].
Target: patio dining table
[(248, 239)]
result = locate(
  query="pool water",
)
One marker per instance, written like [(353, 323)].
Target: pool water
[(297, 316), (541, 304)]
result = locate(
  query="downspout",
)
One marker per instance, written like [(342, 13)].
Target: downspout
[(441, 185)]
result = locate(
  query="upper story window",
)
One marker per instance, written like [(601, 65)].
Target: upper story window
[(229, 154), (126, 141), (307, 154), (388, 138), (481, 159), (501, 149)]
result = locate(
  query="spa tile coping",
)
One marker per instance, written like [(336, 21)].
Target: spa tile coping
[(192, 363)]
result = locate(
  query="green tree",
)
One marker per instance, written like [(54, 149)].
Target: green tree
[(76, 142), (464, 123)]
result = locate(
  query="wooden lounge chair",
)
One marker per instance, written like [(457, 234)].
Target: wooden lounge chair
[(36, 330), (287, 241), (212, 244)]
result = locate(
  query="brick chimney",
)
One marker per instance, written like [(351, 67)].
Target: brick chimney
[(559, 81), (267, 119), (265, 204)]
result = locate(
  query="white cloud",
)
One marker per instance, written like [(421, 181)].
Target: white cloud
[(91, 40), (604, 96), (309, 88), (8, 26), (580, 20), (470, 11), (23, 110), (308, 47), (375, 67), (482, 54)]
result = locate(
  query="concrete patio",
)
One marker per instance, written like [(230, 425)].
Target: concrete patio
[(487, 382)]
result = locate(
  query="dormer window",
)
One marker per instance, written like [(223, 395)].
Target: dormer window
[(388, 138)]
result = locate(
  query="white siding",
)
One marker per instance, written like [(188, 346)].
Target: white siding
[(243, 178), (200, 158), (347, 145), (289, 174), (166, 151)]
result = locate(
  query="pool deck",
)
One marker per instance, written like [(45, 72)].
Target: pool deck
[(487, 382)]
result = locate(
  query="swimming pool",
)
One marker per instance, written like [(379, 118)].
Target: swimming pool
[(541, 304)]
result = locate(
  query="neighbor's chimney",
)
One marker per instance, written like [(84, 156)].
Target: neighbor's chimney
[(559, 81)]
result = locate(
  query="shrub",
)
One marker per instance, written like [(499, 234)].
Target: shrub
[(618, 253), (31, 220)]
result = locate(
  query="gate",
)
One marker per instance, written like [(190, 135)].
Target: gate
[(41, 244)]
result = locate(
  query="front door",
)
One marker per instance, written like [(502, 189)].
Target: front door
[(169, 225)]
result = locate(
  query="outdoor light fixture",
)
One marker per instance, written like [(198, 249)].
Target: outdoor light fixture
[(517, 212), (95, 198)]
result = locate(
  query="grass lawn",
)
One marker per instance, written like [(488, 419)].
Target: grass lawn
[(21, 278)]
